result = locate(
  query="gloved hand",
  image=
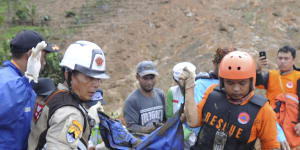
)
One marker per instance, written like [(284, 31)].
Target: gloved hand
[(34, 62), (93, 111), (186, 78)]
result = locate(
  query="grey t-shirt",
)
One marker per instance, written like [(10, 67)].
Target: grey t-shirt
[(140, 110)]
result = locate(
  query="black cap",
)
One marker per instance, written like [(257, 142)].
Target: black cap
[(26, 40), (44, 87)]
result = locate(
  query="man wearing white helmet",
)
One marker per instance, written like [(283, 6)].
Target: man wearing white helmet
[(62, 122), (175, 98)]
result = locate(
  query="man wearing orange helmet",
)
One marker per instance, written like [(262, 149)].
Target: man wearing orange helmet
[(232, 116)]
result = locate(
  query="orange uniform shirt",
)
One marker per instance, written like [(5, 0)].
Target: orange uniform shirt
[(289, 83), (264, 126)]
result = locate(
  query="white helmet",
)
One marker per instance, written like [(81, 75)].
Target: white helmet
[(85, 57), (178, 69)]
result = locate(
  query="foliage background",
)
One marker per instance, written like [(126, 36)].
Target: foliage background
[(24, 18)]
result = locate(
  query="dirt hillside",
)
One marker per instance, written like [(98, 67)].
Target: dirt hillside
[(170, 31)]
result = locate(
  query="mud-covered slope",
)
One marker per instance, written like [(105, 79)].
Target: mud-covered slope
[(171, 31)]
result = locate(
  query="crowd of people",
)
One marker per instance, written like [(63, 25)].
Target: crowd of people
[(221, 109)]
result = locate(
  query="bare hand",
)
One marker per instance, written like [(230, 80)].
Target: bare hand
[(182, 117), (262, 62), (297, 129), (148, 129)]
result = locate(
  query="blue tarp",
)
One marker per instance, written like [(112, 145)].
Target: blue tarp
[(167, 137)]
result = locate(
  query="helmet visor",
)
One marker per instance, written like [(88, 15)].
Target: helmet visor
[(91, 73)]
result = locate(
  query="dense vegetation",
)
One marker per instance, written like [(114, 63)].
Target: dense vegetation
[(18, 15)]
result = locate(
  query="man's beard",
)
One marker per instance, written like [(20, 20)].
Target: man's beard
[(148, 90)]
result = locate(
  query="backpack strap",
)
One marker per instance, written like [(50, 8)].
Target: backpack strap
[(258, 100), (63, 102), (53, 94), (38, 107), (51, 112)]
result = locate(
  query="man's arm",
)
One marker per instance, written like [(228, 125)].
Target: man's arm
[(191, 110), (265, 123), (262, 80), (187, 80), (17, 97)]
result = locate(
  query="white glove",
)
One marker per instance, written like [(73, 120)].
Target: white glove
[(186, 78), (34, 62), (93, 111)]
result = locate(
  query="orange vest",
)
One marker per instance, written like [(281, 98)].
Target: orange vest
[(289, 83)]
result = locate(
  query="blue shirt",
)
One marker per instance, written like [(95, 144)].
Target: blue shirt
[(201, 86), (17, 100)]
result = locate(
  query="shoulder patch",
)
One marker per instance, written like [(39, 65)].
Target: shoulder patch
[(74, 131)]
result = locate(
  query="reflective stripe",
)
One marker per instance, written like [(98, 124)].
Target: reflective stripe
[(291, 98), (81, 146)]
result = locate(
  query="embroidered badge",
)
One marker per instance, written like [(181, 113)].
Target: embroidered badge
[(289, 85), (74, 131), (243, 118), (99, 61), (37, 112), (55, 47)]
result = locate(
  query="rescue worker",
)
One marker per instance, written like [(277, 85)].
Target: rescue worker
[(290, 77), (28, 49), (231, 115), (205, 79), (64, 122), (282, 81)]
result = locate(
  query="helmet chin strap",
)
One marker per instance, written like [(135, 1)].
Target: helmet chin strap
[(74, 95), (238, 101)]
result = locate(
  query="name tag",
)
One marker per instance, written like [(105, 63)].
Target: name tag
[(27, 109)]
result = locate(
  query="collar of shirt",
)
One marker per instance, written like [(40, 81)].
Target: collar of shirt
[(14, 66)]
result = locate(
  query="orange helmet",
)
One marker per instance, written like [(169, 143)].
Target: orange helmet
[(238, 65)]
